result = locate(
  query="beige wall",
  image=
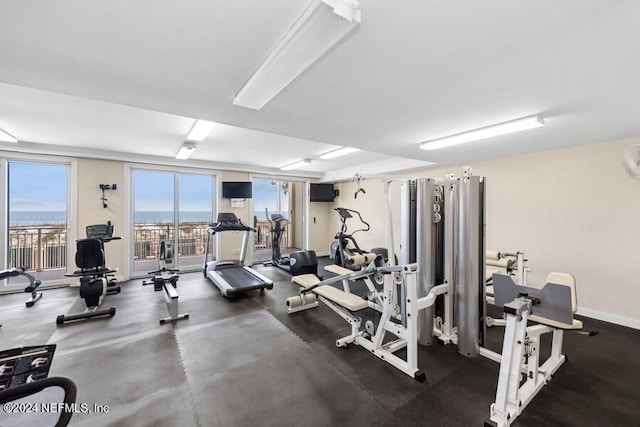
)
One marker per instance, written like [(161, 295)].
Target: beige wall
[(230, 242), (320, 231), (574, 210), (371, 206), (92, 173), (297, 203)]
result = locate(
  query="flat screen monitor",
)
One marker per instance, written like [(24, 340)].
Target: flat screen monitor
[(321, 193), (237, 190)]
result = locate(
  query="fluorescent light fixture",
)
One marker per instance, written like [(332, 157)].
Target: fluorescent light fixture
[(7, 137), (485, 132), (339, 152), (324, 24), (200, 130), (296, 165), (186, 150)]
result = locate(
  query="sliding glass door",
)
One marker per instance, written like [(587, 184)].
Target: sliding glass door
[(273, 196), (170, 206), (37, 197)]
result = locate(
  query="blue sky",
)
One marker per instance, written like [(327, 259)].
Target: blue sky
[(154, 191), (37, 187), (264, 196), (43, 187)]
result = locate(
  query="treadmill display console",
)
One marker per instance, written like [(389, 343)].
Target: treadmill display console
[(227, 218)]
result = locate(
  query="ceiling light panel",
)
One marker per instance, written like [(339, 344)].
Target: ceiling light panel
[(200, 130), (186, 150), (296, 165), (7, 137), (323, 25), (485, 132), (339, 152)]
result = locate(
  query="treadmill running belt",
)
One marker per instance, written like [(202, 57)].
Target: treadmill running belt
[(239, 277)]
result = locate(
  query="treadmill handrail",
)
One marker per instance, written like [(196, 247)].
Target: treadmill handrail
[(216, 227)]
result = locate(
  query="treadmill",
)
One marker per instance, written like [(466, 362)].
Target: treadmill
[(232, 276)]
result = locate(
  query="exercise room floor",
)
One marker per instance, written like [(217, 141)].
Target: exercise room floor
[(245, 362)]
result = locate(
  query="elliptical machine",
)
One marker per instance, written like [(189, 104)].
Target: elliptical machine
[(344, 249), (299, 262)]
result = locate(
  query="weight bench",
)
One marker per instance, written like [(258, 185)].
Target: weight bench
[(346, 300), (396, 317)]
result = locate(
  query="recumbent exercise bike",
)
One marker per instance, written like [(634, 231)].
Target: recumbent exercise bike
[(94, 275)]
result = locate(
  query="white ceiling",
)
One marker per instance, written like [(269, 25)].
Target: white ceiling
[(129, 77)]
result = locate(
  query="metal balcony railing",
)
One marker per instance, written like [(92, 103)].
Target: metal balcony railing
[(44, 247), (192, 238), (38, 248), (262, 236)]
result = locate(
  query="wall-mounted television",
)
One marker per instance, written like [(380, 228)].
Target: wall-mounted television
[(237, 190), (321, 193)]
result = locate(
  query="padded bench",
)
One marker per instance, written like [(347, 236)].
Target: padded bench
[(336, 269), (349, 301)]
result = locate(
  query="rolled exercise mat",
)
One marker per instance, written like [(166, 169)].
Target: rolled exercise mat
[(361, 259), (300, 300), (504, 262)]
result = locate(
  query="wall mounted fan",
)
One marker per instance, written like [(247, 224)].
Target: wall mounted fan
[(631, 160)]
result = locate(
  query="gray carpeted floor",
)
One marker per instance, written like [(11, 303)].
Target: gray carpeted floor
[(245, 362)]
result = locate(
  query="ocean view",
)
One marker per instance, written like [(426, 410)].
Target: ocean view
[(27, 218)]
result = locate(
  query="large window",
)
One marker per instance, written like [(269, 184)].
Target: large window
[(175, 207), (37, 217)]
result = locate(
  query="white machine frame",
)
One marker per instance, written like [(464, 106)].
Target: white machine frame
[(456, 209), (405, 332), (521, 355)]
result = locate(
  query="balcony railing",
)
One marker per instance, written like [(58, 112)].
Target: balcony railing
[(262, 236), (44, 247), (39, 248), (192, 238)]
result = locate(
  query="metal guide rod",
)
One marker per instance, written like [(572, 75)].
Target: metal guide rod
[(450, 203), (468, 274), (424, 255), (391, 247)]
